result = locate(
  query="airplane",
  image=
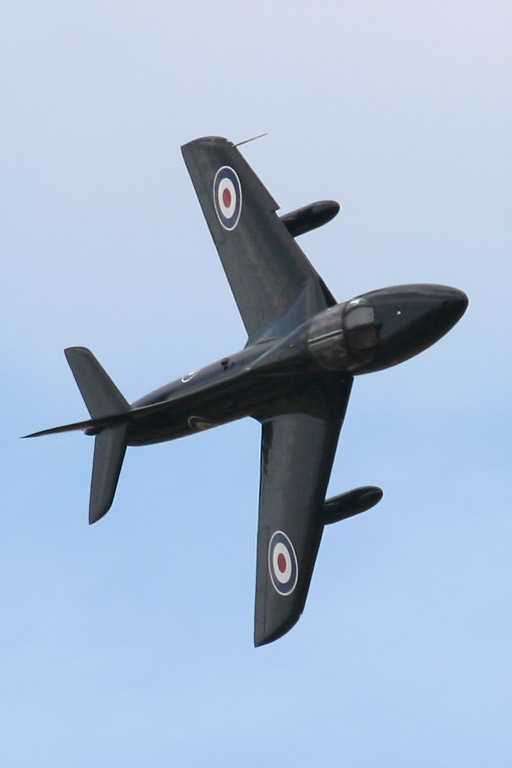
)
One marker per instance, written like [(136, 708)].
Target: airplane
[(294, 375)]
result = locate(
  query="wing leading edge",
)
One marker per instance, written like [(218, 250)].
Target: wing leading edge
[(266, 269), (297, 452)]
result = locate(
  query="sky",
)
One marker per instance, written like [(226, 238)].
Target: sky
[(129, 642)]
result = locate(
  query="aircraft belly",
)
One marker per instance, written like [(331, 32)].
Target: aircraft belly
[(202, 411), (172, 426)]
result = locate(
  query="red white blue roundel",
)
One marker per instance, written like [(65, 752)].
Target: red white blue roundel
[(227, 197), (282, 563)]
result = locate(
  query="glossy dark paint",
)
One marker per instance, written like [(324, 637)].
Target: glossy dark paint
[(411, 318), (294, 375), (351, 503), (310, 217), (247, 382)]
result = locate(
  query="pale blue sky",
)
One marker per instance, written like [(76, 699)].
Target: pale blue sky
[(129, 643)]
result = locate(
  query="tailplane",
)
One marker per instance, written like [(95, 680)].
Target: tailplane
[(109, 450), (109, 422), (101, 395), (103, 400)]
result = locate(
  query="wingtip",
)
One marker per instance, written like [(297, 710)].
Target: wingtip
[(206, 140), (265, 636), (95, 515)]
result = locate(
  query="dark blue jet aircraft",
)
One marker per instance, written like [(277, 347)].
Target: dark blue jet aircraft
[(294, 375)]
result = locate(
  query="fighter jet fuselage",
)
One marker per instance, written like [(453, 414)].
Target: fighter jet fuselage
[(368, 333)]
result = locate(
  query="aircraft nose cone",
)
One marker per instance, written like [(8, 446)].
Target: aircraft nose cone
[(410, 318), (441, 308), (419, 312), (452, 304)]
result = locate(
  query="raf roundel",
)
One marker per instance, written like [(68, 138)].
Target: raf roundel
[(227, 197), (282, 563)]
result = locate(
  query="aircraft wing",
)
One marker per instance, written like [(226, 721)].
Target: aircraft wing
[(297, 452), (267, 271)]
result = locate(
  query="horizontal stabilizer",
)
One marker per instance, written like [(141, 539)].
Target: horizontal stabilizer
[(111, 416), (109, 450), (101, 395)]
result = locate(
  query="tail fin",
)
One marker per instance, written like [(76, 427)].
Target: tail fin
[(102, 399)]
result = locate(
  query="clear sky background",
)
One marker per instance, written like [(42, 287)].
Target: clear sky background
[(129, 643)]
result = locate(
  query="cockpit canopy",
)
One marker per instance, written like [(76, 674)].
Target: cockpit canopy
[(344, 336), (358, 321), (384, 327)]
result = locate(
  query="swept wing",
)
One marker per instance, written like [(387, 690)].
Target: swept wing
[(297, 451), (266, 269)]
